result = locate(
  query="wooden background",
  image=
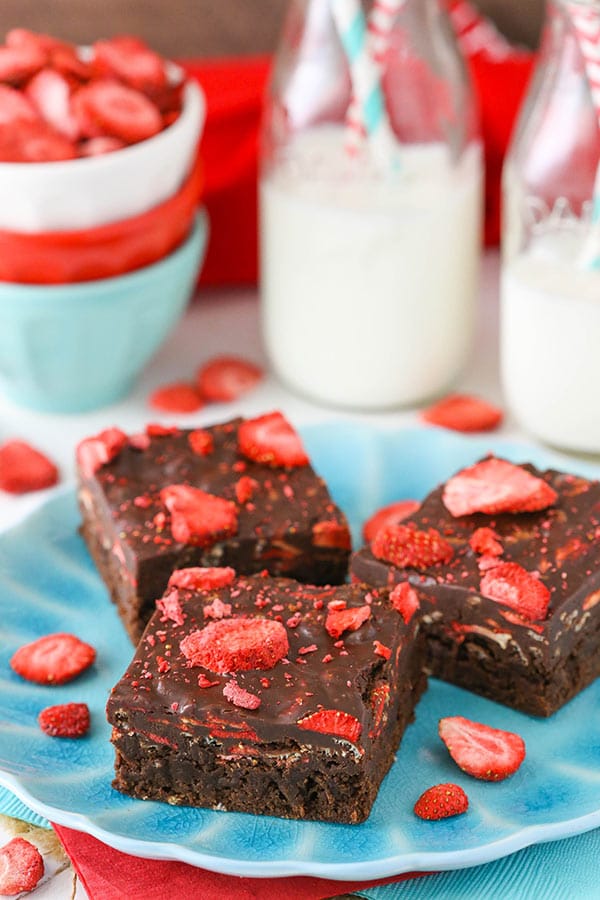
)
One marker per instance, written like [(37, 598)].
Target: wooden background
[(206, 27)]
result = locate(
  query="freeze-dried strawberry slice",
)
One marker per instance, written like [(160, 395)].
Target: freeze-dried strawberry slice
[(496, 486), (70, 720), (201, 442), (340, 620), (441, 801), (98, 146), (485, 541), (131, 61), (119, 111), (33, 40), (239, 696), (50, 93), (64, 59), (97, 451), (13, 105), (392, 514), (405, 600), (237, 645), (333, 721), (515, 587), (178, 397), (272, 440), (225, 378), (198, 518), (482, 751), (198, 578), (463, 412), (33, 141), (408, 547), (21, 867), (53, 659), (17, 64), (24, 469), (331, 534)]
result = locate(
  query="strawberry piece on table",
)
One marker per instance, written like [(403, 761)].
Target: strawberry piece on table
[(406, 546), (333, 721), (34, 141), (24, 469), (179, 397), (226, 378), (197, 517), (17, 64), (271, 439), (21, 867), (515, 587), (495, 486), (50, 93), (441, 801), (14, 105), (481, 751), (118, 110), (237, 645), (130, 60), (71, 720), (392, 514), (53, 659), (463, 412)]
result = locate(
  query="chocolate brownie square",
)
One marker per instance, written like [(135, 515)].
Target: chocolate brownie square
[(239, 494), (505, 561), (264, 695)]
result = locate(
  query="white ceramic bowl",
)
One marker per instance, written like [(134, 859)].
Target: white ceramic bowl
[(92, 191)]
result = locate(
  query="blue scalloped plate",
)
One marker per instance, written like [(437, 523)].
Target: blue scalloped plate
[(50, 584)]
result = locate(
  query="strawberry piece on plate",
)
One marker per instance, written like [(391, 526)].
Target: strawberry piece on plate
[(392, 514), (14, 105), (496, 486), (71, 720), (463, 412), (197, 517), (333, 721), (51, 95), (24, 469), (481, 751), (441, 801), (226, 378), (271, 439), (237, 645), (118, 111), (515, 587), (130, 60), (21, 867), (406, 546), (53, 659), (179, 397)]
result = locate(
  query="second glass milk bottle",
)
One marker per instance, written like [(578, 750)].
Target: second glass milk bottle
[(370, 204)]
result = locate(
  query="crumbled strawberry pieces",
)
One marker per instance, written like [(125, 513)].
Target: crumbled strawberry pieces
[(201, 442), (463, 412), (226, 378), (393, 514), (441, 801), (340, 620), (333, 721), (205, 682), (270, 439), (485, 541), (21, 867), (119, 111), (217, 609), (197, 517), (405, 600), (67, 720), (331, 534), (24, 469), (381, 650), (239, 696), (515, 587), (53, 659), (481, 751), (237, 645), (405, 546), (496, 486), (170, 607), (178, 397), (198, 578), (245, 489), (94, 452)]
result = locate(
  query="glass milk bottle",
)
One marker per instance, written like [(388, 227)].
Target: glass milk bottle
[(370, 204), (550, 319)]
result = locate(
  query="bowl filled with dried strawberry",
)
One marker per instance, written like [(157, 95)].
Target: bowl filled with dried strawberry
[(91, 136)]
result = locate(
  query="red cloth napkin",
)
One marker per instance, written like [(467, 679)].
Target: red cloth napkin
[(108, 874)]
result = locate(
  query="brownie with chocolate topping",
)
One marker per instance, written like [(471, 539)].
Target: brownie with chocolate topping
[(505, 561), (242, 493), (265, 695)]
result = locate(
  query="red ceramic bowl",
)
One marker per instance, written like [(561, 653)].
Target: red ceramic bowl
[(62, 257)]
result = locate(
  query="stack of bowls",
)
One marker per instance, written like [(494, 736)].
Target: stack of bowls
[(98, 259)]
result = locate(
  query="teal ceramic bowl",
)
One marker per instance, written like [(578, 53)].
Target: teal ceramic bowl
[(76, 347)]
